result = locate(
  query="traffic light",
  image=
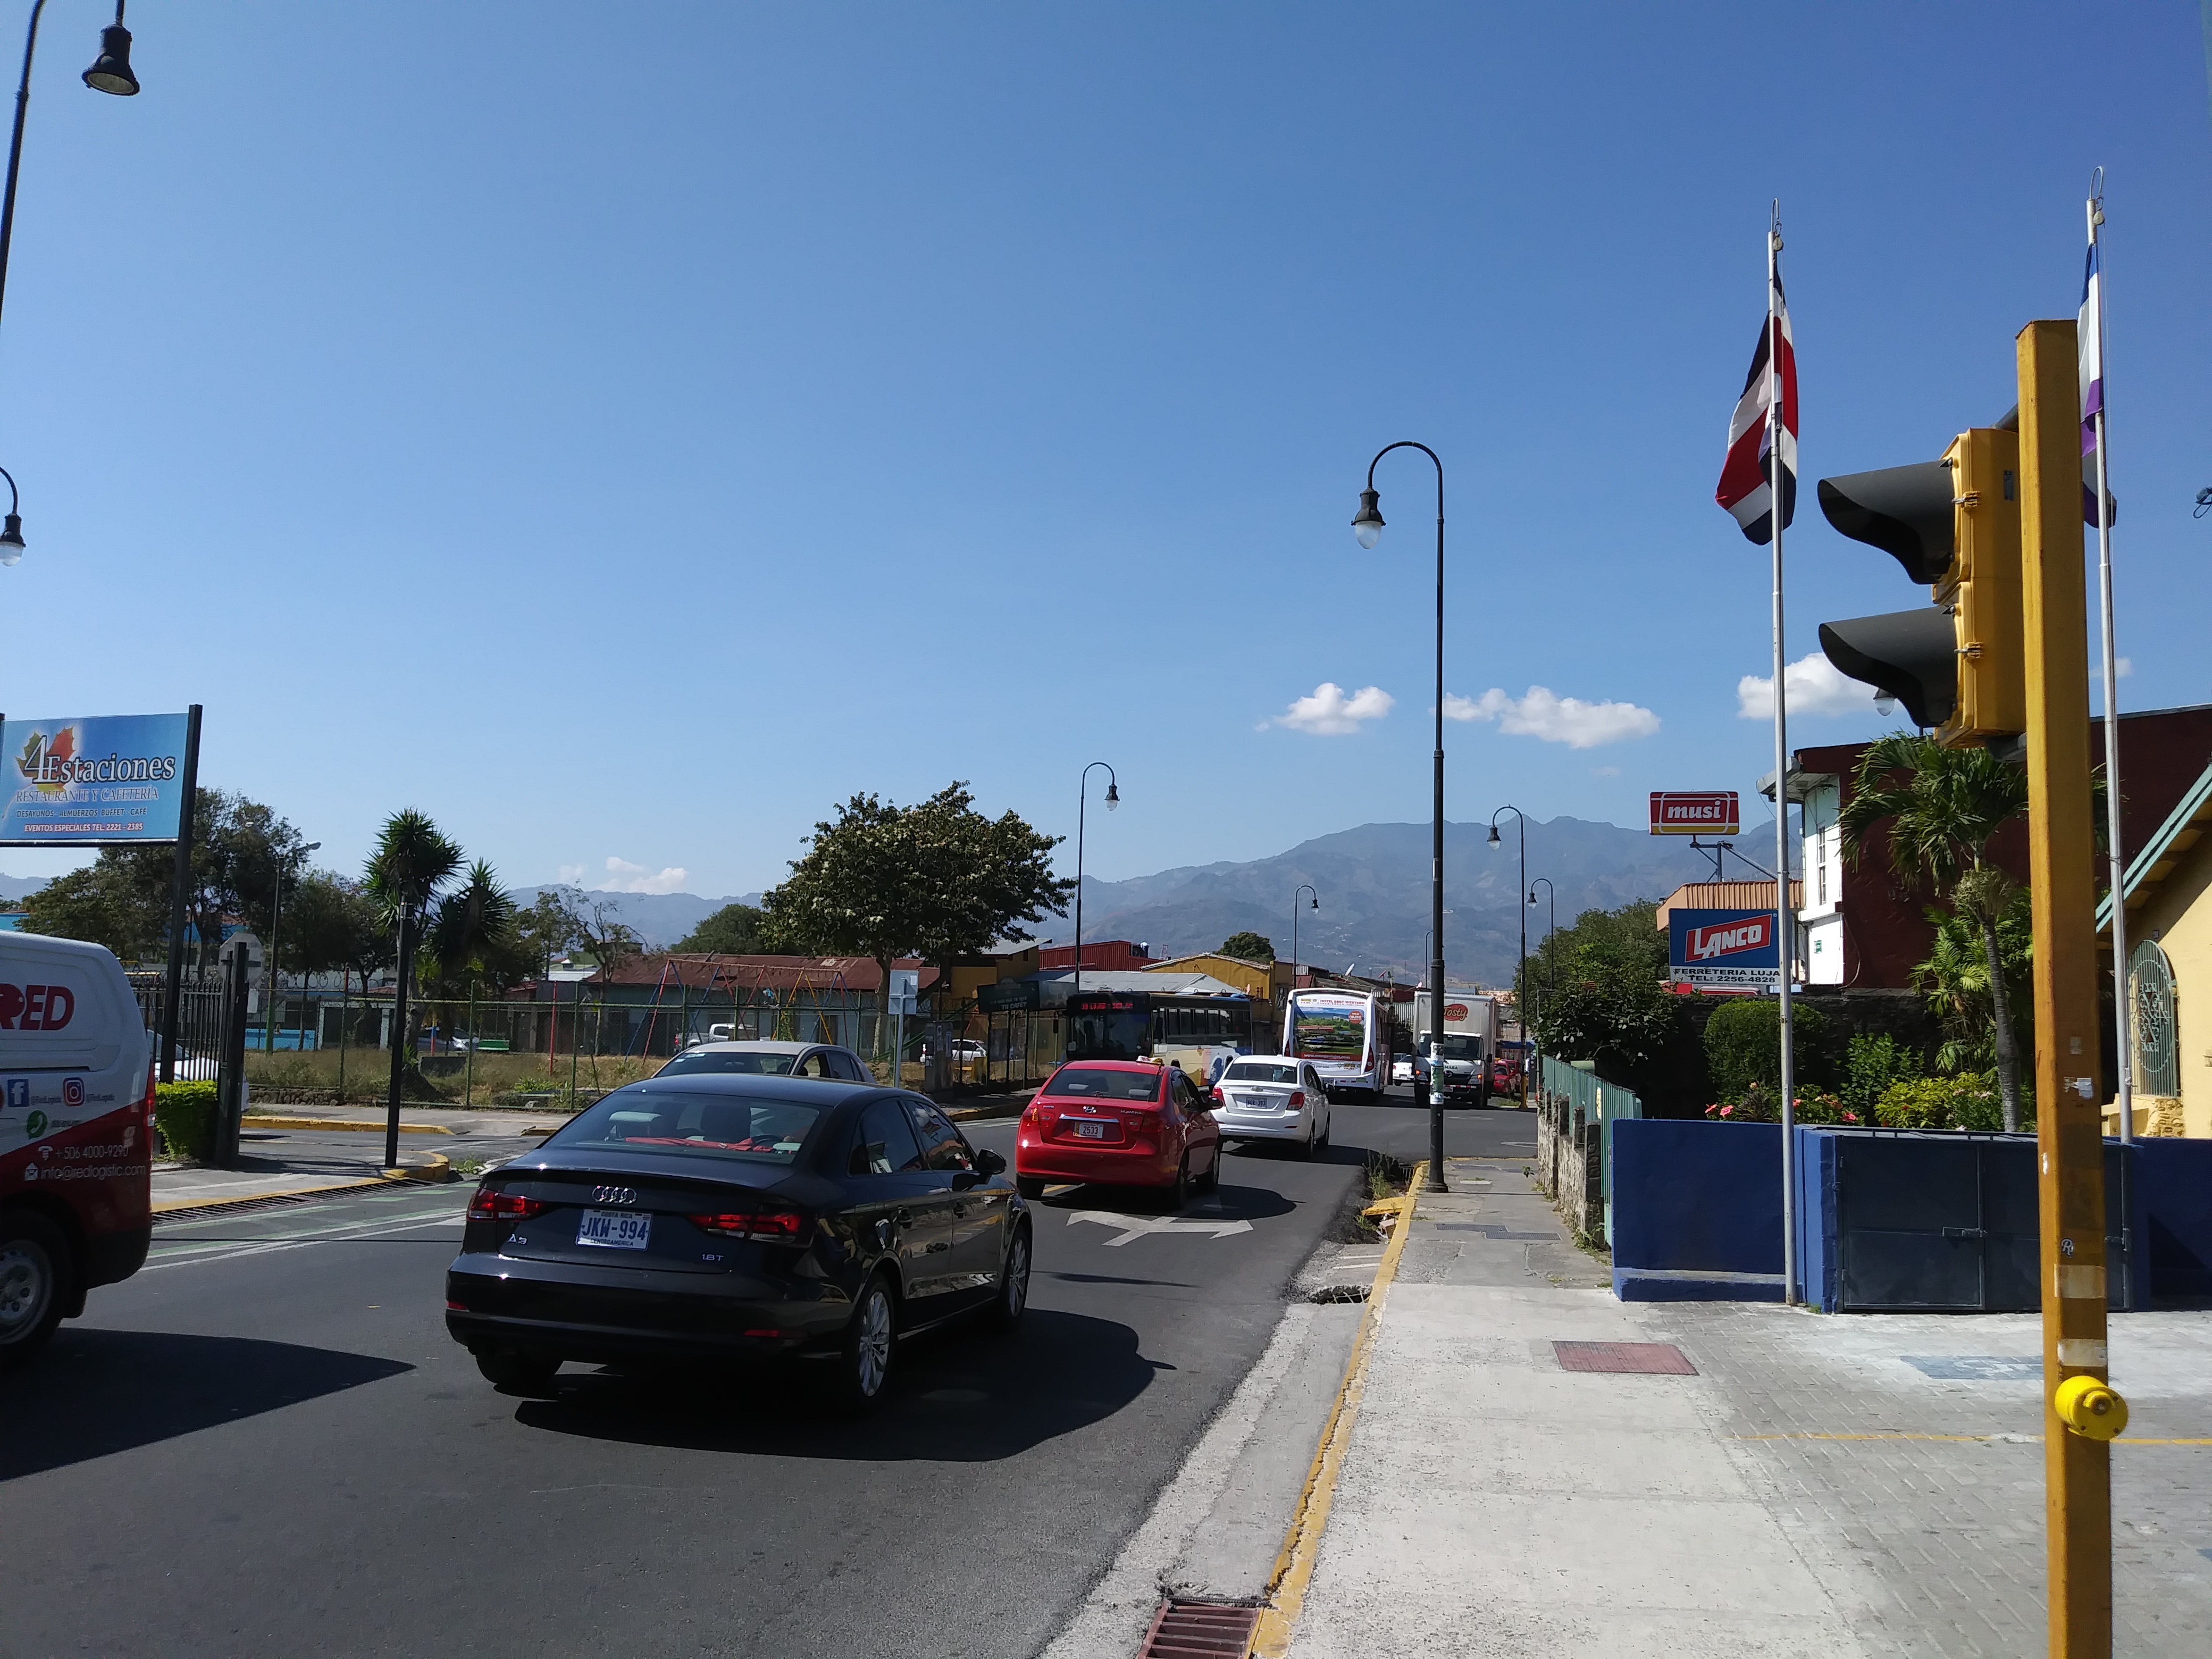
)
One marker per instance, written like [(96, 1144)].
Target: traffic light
[(1954, 524)]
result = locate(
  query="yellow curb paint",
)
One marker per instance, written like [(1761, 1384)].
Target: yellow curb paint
[(439, 1169), (177, 1206), (258, 1121), (1294, 1562)]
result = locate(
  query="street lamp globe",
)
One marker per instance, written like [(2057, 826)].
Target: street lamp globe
[(1368, 526), (111, 70), (1113, 795), (11, 539), (1494, 841)]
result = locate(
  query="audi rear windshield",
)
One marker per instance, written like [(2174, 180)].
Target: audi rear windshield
[(1103, 1085), (703, 1125)]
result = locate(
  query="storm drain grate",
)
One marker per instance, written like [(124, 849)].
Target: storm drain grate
[(1199, 1630), (238, 1207), (1641, 1358)]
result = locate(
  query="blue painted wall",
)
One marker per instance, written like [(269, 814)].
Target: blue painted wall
[(1697, 1196), (2173, 1192)]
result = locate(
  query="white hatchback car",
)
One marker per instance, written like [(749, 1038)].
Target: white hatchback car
[(1272, 1098)]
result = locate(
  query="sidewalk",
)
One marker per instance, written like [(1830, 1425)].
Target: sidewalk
[(1818, 1486)]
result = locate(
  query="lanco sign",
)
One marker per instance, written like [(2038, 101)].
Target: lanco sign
[(1722, 951)]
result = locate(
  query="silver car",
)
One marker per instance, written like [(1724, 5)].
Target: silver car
[(1272, 1098), (769, 1059)]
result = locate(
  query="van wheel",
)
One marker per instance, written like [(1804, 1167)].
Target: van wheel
[(35, 1286)]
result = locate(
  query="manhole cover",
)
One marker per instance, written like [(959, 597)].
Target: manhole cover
[(1199, 1630), (1641, 1359)]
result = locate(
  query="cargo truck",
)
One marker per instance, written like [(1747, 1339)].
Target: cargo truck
[(1470, 1039)]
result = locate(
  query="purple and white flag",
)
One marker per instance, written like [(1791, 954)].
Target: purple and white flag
[(2089, 327)]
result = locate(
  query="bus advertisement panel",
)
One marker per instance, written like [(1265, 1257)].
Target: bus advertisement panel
[(1341, 1032)]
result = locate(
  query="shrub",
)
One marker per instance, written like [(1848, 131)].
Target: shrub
[(184, 1113), (1871, 1065), (1760, 1105), (1968, 1101), (1743, 1044)]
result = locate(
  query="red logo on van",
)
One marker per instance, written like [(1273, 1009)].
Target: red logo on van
[(1728, 938), (35, 1008), (1454, 1011)]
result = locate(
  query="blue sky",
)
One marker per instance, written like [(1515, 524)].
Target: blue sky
[(624, 432)]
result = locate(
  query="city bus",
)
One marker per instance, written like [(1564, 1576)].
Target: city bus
[(1196, 1031), (1343, 1034)]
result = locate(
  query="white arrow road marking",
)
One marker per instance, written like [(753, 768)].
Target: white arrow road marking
[(1137, 1226)]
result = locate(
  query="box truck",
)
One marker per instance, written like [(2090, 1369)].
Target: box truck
[(1469, 1039)]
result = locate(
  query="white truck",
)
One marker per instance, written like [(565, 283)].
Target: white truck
[(1469, 1038)]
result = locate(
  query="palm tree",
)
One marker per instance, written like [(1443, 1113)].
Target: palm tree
[(472, 933), (412, 861), (1941, 817)]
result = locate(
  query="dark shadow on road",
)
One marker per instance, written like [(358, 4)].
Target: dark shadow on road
[(1113, 1279), (958, 1397), (95, 1392)]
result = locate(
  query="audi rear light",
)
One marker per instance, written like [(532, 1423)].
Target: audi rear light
[(493, 1204), (764, 1226)]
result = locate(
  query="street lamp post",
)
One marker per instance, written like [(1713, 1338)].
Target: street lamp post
[(1303, 887), (1521, 1014), (1082, 804), (275, 921), (1367, 526), (1528, 1029), (110, 73)]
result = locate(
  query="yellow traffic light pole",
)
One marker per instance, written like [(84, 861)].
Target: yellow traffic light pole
[(2079, 1411)]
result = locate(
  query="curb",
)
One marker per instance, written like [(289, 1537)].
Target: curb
[(439, 1169), (180, 1206), (261, 1121), (1294, 1563)]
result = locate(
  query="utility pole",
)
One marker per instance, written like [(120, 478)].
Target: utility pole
[(2079, 1413)]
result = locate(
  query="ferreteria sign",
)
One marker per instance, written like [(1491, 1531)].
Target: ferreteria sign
[(90, 780), (1720, 951)]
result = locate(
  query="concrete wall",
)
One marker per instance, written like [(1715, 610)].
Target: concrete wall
[(1570, 1162)]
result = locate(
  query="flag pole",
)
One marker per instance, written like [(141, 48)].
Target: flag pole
[(1784, 922), (2117, 857)]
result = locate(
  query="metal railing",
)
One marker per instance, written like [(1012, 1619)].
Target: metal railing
[(1594, 1101)]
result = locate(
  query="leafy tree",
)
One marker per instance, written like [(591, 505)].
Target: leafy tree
[(594, 925), (101, 903), (332, 923), (1743, 1046), (937, 880), (735, 929), (1873, 1063), (412, 861), (1942, 806), (1609, 1002), (546, 931), (1248, 946)]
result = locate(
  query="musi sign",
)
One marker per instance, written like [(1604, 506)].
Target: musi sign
[(1694, 813)]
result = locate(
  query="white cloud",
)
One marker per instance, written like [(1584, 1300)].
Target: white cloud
[(1330, 712), (1544, 713), (571, 874), (623, 876), (2125, 665), (1816, 686)]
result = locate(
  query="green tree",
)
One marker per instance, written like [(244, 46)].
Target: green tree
[(595, 925), (332, 923), (1743, 1047), (1248, 946), (546, 931), (937, 880), (1609, 1002), (101, 903), (1955, 979), (1942, 807), (413, 860), (735, 929), (470, 945)]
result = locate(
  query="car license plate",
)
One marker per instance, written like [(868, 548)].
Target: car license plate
[(619, 1230), (1089, 1129)]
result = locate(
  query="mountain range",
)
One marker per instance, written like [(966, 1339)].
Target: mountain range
[(1373, 884)]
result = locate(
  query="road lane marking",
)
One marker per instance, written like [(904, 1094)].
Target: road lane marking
[(185, 1256), (1137, 1226)]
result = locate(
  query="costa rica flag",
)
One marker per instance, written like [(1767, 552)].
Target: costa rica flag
[(1746, 490)]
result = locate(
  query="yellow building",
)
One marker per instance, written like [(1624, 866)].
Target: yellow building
[(2169, 1026)]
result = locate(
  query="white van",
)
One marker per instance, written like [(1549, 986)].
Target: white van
[(76, 1128)]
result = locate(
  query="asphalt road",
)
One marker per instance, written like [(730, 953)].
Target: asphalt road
[(266, 1444)]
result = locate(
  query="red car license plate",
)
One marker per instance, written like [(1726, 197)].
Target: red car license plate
[(1089, 1129)]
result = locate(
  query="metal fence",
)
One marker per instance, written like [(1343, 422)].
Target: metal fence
[(1594, 1101)]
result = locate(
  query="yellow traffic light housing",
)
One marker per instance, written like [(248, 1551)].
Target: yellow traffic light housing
[(1982, 587)]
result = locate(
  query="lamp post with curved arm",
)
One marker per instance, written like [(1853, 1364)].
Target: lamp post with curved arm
[(1083, 802), (1528, 1029), (1303, 887), (1367, 526), (1521, 1014), (110, 73)]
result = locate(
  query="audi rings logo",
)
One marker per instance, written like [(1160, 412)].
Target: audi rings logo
[(614, 1194)]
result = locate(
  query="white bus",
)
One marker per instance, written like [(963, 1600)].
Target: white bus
[(1342, 1033)]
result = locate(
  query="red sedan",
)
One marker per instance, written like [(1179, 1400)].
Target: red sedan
[(1124, 1123)]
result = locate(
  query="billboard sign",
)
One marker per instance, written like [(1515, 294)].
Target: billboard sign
[(92, 781), (1722, 951), (1694, 813)]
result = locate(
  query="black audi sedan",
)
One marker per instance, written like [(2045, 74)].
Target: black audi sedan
[(732, 1216)]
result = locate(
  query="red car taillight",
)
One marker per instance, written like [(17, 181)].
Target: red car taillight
[(1214, 1094), (492, 1204), (765, 1226), (1298, 1097)]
